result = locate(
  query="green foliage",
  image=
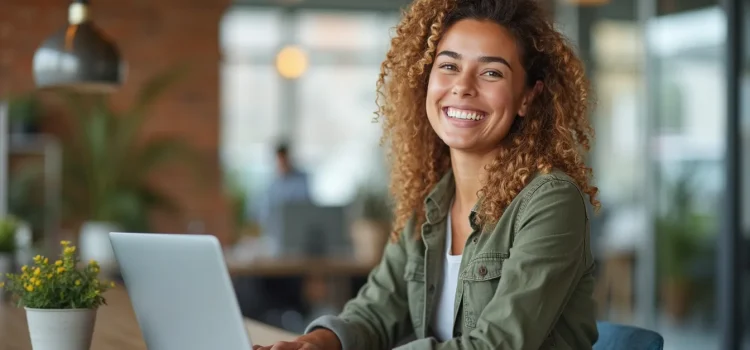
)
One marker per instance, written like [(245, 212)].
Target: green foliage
[(374, 204), (680, 231), (238, 197), (26, 194), (64, 284), (8, 227), (107, 164), (24, 108)]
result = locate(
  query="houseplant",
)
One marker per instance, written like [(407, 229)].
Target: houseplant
[(372, 223), (61, 299), (8, 226), (24, 112), (681, 231), (109, 165)]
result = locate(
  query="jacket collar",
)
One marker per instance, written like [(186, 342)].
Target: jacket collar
[(438, 202)]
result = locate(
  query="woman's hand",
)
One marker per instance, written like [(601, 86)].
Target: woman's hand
[(320, 339), (293, 345)]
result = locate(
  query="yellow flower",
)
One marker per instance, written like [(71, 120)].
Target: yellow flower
[(24, 268), (60, 269), (32, 279), (46, 261), (37, 283), (93, 262), (69, 250), (2, 284), (49, 275), (78, 282), (37, 258), (65, 243), (29, 288), (111, 284), (37, 271), (58, 263)]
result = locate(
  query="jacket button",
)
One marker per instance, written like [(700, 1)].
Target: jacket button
[(474, 240), (427, 229), (482, 271)]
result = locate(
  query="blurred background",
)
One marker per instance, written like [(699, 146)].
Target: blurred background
[(252, 120)]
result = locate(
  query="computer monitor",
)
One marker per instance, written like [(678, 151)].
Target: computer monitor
[(314, 231)]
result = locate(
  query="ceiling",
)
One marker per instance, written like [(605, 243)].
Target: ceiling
[(615, 9)]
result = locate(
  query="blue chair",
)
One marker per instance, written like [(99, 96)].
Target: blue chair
[(621, 337)]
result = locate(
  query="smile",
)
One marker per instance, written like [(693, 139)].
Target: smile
[(464, 114)]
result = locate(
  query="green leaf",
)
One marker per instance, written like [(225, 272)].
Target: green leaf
[(107, 166)]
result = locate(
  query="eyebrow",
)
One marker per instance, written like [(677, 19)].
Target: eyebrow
[(483, 59)]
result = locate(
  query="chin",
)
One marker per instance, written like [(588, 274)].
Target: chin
[(460, 143)]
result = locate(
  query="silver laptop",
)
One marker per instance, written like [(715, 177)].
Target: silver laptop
[(181, 291)]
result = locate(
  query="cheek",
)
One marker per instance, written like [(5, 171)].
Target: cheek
[(500, 97), (437, 87)]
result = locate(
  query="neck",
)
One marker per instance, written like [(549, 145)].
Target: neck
[(468, 173)]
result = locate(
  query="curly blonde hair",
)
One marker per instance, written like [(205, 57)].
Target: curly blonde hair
[(554, 134)]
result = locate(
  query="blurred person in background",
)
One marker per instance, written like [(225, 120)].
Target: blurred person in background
[(289, 186), (484, 106), (267, 298)]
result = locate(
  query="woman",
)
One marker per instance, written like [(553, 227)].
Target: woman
[(484, 105)]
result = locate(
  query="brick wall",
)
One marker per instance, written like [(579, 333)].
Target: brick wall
[(151, 35)]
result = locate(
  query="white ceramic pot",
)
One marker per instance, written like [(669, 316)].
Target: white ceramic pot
[(66, 329), (94, 244)]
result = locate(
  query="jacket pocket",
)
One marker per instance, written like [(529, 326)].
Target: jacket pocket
[(415, 283), (480, 278)]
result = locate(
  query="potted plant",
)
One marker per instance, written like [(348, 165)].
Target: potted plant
[(108, 167), (680, 234), (24, 112), (61, 299), (8, 227), (371, 227)]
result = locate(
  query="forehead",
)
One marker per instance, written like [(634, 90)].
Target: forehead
[(475, 38)]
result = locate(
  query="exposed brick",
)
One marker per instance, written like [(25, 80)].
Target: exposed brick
[(152, 35)]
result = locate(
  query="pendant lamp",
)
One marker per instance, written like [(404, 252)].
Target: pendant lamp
[(78, 56)]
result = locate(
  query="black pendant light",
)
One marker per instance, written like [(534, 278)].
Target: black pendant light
[(79, 56)]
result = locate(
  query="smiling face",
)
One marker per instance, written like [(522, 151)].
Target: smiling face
[(477, 86)]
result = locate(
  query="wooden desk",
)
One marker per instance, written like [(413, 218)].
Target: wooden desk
[(116, 327)]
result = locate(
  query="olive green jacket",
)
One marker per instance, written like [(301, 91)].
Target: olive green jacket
[(525, 284)]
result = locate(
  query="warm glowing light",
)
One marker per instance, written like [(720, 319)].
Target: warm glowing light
[(291, 62)]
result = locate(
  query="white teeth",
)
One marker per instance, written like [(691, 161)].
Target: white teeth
[(462, 114)]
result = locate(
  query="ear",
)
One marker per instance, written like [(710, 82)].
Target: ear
[(528, 98)]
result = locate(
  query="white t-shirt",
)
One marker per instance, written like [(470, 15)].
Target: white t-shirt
[(443, 321)]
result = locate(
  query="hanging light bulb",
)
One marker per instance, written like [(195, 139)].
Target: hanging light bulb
[(79, 56)]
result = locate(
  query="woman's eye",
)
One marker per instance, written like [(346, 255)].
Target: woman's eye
[(494, 74), (449, 66)]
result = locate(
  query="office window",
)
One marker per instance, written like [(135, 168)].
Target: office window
[(327, 112)]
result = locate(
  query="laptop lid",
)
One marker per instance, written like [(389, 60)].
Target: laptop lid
[(181, 291)]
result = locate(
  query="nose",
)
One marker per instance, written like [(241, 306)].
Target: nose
[(464, 86)]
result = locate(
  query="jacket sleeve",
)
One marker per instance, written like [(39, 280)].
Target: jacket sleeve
[(378, 317), (547, 259)]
